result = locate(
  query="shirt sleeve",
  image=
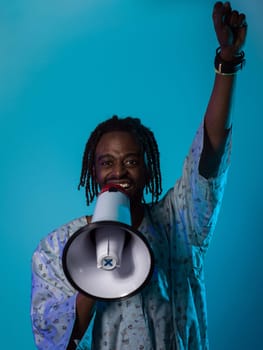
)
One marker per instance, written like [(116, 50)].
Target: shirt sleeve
[(197, 200), (52, 297)]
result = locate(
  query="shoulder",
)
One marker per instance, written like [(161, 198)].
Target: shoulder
[(57, 238), (160, 208)]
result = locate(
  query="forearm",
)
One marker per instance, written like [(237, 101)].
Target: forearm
[(218, 116), (84, 312), (217, 124)]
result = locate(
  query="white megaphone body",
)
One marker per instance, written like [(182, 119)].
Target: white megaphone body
[(107, 259)]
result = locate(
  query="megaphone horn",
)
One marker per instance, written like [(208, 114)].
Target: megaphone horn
[(108, 259)]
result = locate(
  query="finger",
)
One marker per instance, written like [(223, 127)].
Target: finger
[(237, 23), (241, 37), (221, 13), (218, 13), (234, 19), (242, 20), (227, 12)]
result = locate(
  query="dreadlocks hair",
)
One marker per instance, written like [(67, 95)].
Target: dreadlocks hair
[(145, 138)]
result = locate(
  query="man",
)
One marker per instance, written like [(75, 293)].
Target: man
[(170, 312)]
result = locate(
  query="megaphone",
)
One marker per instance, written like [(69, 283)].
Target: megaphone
[(108, 259)]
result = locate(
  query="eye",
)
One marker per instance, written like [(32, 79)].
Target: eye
[(131, 162), (105, 163)]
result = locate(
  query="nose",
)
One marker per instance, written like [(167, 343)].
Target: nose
[(119, 170)]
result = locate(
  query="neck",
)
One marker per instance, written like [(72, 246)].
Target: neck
[(137, 214)]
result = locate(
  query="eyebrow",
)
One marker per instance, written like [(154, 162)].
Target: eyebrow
[(108, 155)]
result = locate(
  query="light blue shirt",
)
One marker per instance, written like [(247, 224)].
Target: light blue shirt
[(170, 312)]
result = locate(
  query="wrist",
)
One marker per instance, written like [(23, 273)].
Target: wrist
[(228, 65)]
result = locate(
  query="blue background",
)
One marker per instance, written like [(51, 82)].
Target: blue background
[(66, 65)]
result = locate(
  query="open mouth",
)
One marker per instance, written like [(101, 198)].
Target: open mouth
[(124, 185)]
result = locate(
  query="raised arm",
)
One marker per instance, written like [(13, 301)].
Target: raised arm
[(230, 27)]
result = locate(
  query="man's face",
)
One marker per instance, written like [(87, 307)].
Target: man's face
[(119, 160)]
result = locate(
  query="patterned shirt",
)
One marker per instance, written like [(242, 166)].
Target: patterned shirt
[(170, 312)]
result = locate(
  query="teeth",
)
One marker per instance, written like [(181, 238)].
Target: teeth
[(124, 185)]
